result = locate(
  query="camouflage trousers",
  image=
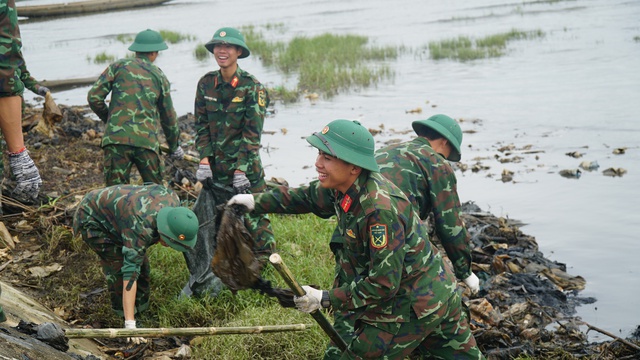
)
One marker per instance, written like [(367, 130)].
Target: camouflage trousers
[(444, 334), (119, 159), (111, 260)]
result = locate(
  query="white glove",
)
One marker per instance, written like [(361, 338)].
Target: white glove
[(178, 154), (473, 283), (240, 183), (310, 302), (28, 181), (203, 172), (131, 324), (243, 199)]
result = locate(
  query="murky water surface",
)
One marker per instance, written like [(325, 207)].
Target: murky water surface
[(576, 89)]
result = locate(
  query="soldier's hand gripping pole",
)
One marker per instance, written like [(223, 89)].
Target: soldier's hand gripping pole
[(282, 268)]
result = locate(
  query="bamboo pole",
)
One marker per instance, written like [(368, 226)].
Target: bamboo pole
[(276, 261), (195, 331)]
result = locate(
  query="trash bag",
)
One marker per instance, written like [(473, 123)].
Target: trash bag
[(202, 280), (235, 261)]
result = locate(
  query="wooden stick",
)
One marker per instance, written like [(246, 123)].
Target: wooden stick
[(282, 268), (161, 332), (617, 338)]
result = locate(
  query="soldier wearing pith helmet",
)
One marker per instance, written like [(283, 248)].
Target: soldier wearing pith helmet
[(392, 292), (230, 109), (140, 109), (120, 223), (418, 167)]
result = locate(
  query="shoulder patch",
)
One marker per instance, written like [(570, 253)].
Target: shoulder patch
[(379, 236), (262, 98)]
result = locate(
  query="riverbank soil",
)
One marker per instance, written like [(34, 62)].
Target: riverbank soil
[(526, 305)]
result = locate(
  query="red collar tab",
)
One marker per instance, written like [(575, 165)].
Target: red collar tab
[(215, 82), (234, 82), (345, 204)]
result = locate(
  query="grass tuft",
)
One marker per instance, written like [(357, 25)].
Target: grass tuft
[(464, 49), (326, 64)]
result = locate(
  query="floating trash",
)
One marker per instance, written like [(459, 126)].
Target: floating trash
[(589, 165), (571, 173), (574, 154), (507, 175), (613, 172), (620, 151)]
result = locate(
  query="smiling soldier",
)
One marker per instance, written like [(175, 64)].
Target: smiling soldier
[(388, 274), (230, 107)]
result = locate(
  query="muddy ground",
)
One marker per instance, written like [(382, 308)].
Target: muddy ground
[(527, 304)]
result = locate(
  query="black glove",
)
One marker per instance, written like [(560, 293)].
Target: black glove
[(240, 183)]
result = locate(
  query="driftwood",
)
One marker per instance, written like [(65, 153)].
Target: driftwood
[(83, 7), (65, 84), (195, 331)]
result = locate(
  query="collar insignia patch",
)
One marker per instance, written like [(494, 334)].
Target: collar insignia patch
[(345, 204), (351, 233)]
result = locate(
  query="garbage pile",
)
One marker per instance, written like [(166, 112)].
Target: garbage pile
[(527, 303)]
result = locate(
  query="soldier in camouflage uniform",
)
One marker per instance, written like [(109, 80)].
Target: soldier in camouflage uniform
[(120, 223), (388, 274), (419, 169), (230, 107), (140, 104), (13, 79)]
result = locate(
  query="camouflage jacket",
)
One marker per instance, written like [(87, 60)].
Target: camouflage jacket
[(14, 76), (430, 184), (386, 263), (124, 215), (229, 121), (140, 99)]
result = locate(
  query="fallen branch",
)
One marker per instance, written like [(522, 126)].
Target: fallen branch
[(161, 332), (602, 331)]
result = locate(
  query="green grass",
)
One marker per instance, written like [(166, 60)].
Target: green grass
[(303, 244), (124, 38), (326, 64), (102, 58), (464, 48), (174, 37), (201, 53)]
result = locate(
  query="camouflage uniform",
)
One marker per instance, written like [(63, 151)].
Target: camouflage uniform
[(388, 275), (119, 224), (14, 76), (430, 184), (140, 99), (229, 121)]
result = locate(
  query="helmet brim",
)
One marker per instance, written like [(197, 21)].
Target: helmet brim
[(345, 154), (212, 43), (455, 155), (162, 222), (148, 47)]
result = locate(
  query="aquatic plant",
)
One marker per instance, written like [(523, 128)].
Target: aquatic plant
[(173, 37), (463, 48), (201, 53), (102, 58), (327, 63)]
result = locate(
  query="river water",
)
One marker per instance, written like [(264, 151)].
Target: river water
[(575, 89)]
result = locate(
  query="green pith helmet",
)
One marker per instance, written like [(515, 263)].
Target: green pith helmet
[(348, 141), (231, 36), (178, 227), (148, 41), (445, 126)]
